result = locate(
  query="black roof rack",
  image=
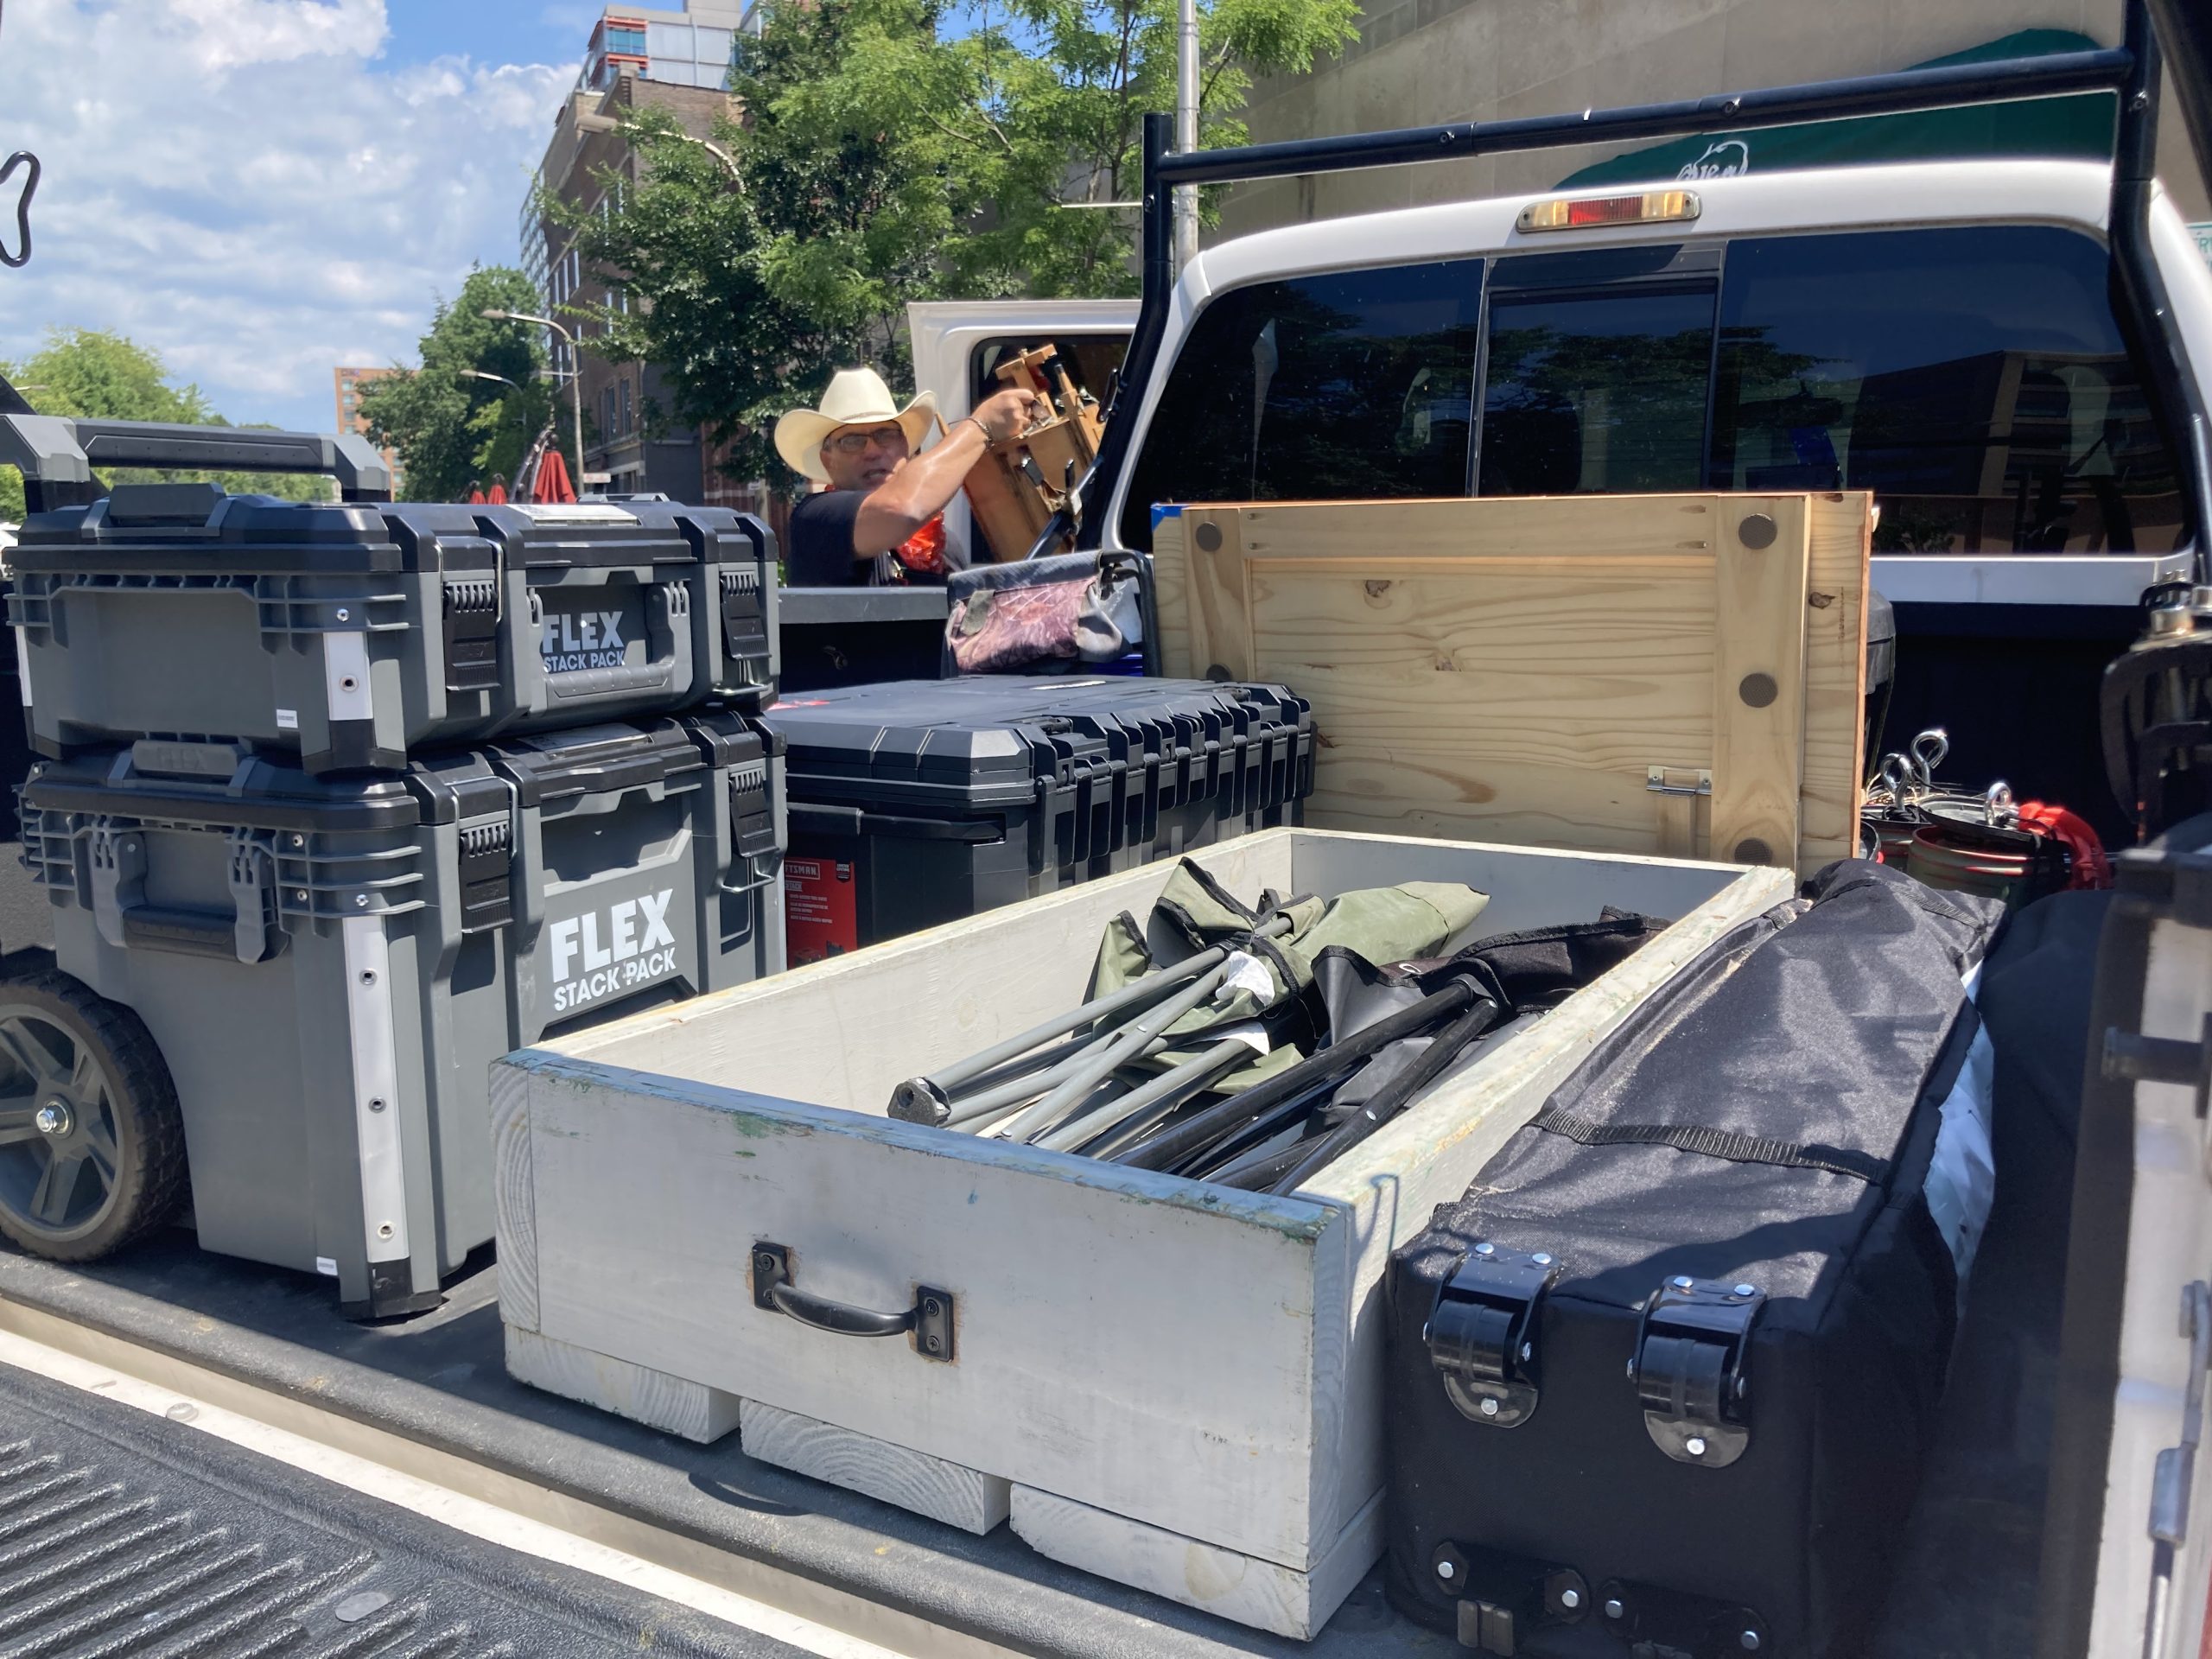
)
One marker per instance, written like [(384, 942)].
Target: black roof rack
[(2131, 71)]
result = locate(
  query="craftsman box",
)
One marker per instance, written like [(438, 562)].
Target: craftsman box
[(923, 801), (1169, 1383)]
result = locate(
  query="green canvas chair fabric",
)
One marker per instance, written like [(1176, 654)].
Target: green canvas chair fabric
[(1382, 925)]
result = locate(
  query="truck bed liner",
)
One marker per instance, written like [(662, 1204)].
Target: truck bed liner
[(1964, 1590), (121, 1533)]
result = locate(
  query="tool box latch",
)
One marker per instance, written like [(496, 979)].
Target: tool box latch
[(1693, 1352), (486, 874), (471, 633), (1482, 1335), (745, 628)]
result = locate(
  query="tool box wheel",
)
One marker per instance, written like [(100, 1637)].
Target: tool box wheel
[(92, 1141)]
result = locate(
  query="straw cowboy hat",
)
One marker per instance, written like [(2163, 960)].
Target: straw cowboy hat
[(856, 397)]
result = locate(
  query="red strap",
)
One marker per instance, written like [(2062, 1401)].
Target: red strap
[(2091, 868)]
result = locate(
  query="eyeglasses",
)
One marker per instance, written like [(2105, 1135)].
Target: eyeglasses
[(851, 443)]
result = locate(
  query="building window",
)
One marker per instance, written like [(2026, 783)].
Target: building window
[(629, 412)]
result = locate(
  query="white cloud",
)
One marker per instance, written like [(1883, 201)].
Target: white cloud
[(246, 187)]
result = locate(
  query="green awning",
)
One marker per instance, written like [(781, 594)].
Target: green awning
[(2079, 126)]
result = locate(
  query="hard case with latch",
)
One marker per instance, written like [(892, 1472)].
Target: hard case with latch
[(1661, 1383), (357, 635)]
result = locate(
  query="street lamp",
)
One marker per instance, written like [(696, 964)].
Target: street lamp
[(576, 378), (729, 160)]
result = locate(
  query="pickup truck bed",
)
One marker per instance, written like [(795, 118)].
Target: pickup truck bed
[(1965, 1589)]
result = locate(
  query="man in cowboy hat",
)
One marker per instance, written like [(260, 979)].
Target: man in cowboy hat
[(874, 523)]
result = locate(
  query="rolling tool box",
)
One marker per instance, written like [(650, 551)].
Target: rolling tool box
[(355, 635), (1662, 1381), (329, 967), (923, 801)]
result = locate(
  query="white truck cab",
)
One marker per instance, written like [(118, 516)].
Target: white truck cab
[(1938, 332), (959, 344)]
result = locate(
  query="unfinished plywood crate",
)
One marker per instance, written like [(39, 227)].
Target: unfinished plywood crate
[(1674, 674), (1174, 1384)]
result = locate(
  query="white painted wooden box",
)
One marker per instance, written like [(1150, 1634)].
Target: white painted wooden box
[(1174, 1384)]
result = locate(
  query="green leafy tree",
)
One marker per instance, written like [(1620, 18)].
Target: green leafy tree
[(884, 157), (451, 428), (89, 374)]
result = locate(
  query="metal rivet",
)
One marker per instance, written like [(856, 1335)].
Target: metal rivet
[(344, 615), (1540, 1259), (1613, 1608), (377, 1104), (1747, 1290), (299, 841), (929, 1343), (1570, 1600), (1485, 1249), (1444, 1569), (301, 895), (384, 1230), (349, 683), (1756, 532), (1695, 1447), (1752, 850), (368, 975), (1208, 537), (764, 1262), (1749, 1641), (182, 1412), (1758, 690), (1683, 1282), (360, 901), (930, 1306), (1490, 1407)]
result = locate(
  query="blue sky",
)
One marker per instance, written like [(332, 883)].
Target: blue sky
[(260, 190)]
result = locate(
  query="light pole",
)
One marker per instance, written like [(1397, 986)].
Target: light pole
[(576, 371), (1186, 128)]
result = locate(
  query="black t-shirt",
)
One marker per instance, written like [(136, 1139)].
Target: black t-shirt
[(821, 551)]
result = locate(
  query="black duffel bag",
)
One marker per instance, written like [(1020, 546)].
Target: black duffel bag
[(1661, 1383)]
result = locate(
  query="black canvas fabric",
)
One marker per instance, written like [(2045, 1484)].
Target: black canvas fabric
[(1770, 1119)]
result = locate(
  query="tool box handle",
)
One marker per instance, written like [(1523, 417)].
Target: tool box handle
[(56, 454)]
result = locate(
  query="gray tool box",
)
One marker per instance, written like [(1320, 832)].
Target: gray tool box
[(352, 634), (329, 967)]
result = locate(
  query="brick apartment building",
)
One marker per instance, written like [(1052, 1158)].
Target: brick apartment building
[(638, 58)]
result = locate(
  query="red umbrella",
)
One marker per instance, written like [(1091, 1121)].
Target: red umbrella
[(476, 498), (499, 495), (552, 483)]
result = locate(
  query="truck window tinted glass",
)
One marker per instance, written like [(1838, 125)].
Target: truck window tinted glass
[(1597, 393), (1327, 388), (1974, 379), (1091, 359)]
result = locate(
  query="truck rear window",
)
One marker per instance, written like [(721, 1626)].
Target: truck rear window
[(1355, 383), (1974, 378)]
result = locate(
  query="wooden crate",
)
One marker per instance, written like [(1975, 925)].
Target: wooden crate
[(1174, 1384), (1552, 671)]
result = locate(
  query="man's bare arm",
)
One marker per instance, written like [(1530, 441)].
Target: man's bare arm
[(919, 490)]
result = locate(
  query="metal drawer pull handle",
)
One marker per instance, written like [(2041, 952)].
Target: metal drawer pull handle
[(929, 1319)]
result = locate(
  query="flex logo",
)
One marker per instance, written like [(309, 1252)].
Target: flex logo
[(1728, 159), (581, 639), (608, 953)]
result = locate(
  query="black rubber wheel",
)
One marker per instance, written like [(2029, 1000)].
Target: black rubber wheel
[(92, 1143)]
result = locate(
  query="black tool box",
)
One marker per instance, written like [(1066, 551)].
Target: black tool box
[(1660, 1385)]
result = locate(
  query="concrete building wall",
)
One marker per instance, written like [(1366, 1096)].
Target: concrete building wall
[(1424, 62)]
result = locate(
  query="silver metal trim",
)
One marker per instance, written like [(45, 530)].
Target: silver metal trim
[(376, 1087)]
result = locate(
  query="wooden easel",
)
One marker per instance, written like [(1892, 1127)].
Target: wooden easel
[(1017, 487)]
